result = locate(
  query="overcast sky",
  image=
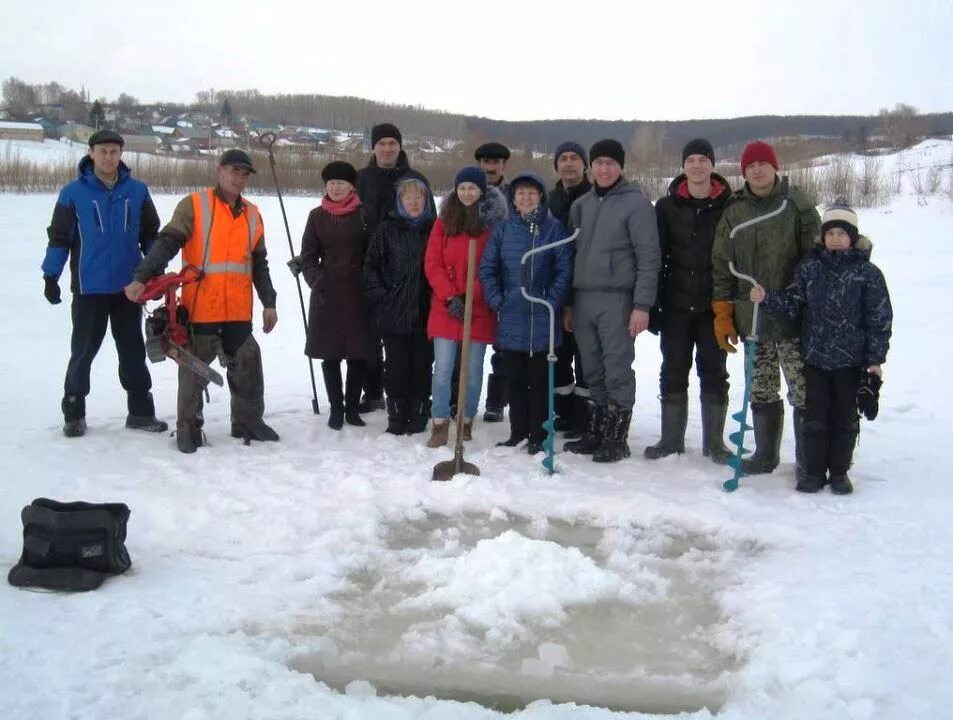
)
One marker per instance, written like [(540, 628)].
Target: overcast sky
[(660, 60)]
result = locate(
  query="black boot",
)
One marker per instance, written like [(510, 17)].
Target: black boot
[(352, 398), (142, 413), (674, 421), (396, 416), (74, 415), (335, 390), (768, 421), (841, 457), (592, 438), (714, 410), (580, 417), (563, 406), (146, 424), (370, 404), (495, 398), (615, 445), (808, 483), (418, 414)]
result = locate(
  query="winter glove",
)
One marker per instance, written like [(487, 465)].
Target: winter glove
[(868, 396), (455, 307), (725, 332), (294, 265), (52, 290)]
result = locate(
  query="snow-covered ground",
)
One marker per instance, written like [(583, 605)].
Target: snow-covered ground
[(643, 583)]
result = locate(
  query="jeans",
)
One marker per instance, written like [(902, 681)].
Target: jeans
[(445, 351)]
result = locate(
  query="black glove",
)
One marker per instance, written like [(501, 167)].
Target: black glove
[(52, 290), (868, 396), (455, 307), (294, 265)]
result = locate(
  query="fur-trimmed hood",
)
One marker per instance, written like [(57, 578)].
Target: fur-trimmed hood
[(492, 206)]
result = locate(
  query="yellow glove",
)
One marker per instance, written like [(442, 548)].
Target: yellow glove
[(725, 333)]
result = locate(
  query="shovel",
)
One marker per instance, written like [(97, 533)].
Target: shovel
[(445, 470)]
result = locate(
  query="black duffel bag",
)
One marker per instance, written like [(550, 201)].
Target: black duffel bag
[(71, 546)]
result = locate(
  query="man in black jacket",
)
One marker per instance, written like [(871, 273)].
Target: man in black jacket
[(493, 157), (377, 189), (572, 393), (687, 217)]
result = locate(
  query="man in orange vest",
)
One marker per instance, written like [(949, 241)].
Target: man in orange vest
[(220, 232)]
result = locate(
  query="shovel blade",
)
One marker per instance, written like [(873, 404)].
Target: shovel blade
[(444, 471)]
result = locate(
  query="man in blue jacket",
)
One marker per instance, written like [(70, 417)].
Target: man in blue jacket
[(103, 223)]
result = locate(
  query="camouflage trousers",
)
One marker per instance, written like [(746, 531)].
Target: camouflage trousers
[(770, 358), (243, 371)]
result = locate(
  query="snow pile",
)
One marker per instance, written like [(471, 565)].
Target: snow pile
[(504, 582)]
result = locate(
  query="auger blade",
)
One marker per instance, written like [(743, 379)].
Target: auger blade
[(737, 438)]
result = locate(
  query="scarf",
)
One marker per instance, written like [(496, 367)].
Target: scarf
[(341, 207)]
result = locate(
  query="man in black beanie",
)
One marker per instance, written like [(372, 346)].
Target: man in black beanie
[(572, 394), (687, 217), (615, 276), (377, 189)]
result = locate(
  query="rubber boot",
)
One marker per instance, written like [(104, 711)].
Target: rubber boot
[(590, 441), (615, 445), (800, 462), (335, 390), (188, 436), (258, 430), (674, 421), (396, 416), (714, 411), (768, 421)]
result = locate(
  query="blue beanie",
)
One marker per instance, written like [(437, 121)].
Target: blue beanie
[(570, 146), (471, 174)]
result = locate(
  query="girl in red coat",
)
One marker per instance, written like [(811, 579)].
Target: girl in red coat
[(469, 212)]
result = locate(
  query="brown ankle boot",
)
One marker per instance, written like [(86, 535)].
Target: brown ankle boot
[(439, 433), (467, 430)]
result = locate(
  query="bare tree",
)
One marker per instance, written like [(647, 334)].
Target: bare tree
[(899, 124), (126, 102), (870, 184), (18, 97)]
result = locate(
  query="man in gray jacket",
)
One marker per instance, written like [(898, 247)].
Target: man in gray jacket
[(614, 285)]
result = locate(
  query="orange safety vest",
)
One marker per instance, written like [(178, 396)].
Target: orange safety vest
[(221, 245)]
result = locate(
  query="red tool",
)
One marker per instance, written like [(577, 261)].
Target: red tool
[(167, 331)]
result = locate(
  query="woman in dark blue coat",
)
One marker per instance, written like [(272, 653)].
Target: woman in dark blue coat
[(523, 328)]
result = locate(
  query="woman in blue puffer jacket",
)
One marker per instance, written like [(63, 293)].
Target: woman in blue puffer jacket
[(522, 332)]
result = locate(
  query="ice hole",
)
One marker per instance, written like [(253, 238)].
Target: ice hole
[(505, 611)]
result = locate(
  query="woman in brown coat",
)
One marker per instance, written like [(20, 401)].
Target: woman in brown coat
[(332, 261)]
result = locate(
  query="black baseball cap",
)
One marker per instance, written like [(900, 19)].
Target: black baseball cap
[(237, 158), (101, 137)]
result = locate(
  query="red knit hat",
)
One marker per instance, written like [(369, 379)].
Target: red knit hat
[(758, 151)]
